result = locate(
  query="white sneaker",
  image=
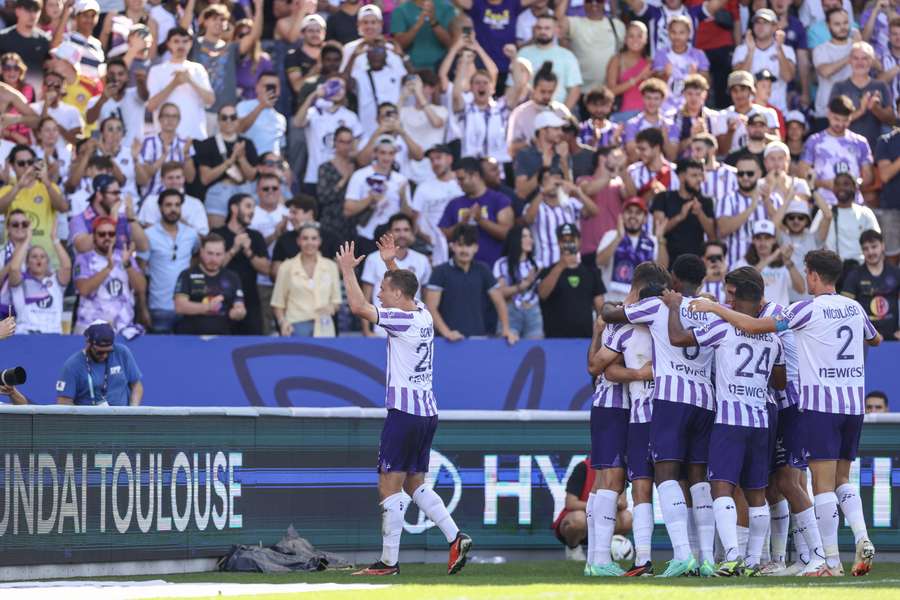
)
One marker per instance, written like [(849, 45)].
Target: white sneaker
[(771, 568), (791, 570), (576, 553), (865, 553), (813, 566)]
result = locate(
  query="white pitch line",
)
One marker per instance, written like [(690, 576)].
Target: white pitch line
[(124, 590)]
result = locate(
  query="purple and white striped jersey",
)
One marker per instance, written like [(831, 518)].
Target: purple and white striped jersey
[(791, 358), (152, 149), (640, 122), (597, 136), (637, 350), (734, 204), (606, 393), (410, 356), (546, 246), (744, 363), (640, 174), (830, 330), (719, 182), (679, 374), (716, 289), (830, 154)]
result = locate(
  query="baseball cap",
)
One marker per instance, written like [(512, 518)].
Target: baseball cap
[(794, 116), (567, 230), (764, 227), (797, 207), (766, 14), (369, 10), (776, 146), (100, 333), (442, 148), (86, 5), (386, 139), (742, 78), (28, 4), (635, 201), (757, 116), (68, 52), (312, 19), (766, 74), (101, 181), (547, 118)]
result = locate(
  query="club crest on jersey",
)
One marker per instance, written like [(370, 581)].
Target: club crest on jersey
[(574, 280)]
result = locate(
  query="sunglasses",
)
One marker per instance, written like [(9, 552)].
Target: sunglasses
[(226, 118), (105, 234), (25, 163), (11, 67), (746, 173), (273, 188), (796, 217), (19, 224), (715, 257), (390, 113), (174, 252)]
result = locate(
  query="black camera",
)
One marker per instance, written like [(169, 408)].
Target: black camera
[(569, 248), (14, 376)]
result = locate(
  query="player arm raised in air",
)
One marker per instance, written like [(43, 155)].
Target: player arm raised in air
[(359, 306), (678, 335), (388, 251), (740, 320)]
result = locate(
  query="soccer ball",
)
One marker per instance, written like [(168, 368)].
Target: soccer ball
[(622, 549)]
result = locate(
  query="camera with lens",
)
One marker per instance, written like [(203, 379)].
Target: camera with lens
[(12, 377), (569, 248)]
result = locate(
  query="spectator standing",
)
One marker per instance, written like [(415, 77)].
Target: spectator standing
[(172, 246), (376, 192), (220, 57), (17, 230), (516, 274), (118, 98), (26, 39), (36, 289), (331, 185), (391, 127), (837, 150), (875, 20), (738, 211), (774, 262), (628, 69), (193, 213), (655, 16), (321, 116), (719, 179), (653, 95), (259, 121), (421, 27), (226, 163), (764, 47), (301, 210), (547, 149), (489, 211), (459, 290), (307, 290), (51, 105), (871, 97), (605, 188), (33, 193), (165, 146), (693, 118), (341, 24), (684, 216), (521, 127), (422, 120), (270, 218), (594, 39), (107, 202), (494, 25), (209, 299), (622, 249), (874, 284), (832, 58), (183, 83), (742, 87), (544, 48), (431, 198), (376, 84), (255, 61), (246, 256), (818, 32), (794, 229), (718, 31), (370, 27), (597, 130), (103, 374), (651, 173), (849, 221), (12, 73), (307, 28), (680, 60), (108, 281), (570, 292), (399, 237), (557, 202), (526, 19), (714, 257), (887, 153)]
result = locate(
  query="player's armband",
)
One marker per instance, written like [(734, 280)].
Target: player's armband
[(782, 323)]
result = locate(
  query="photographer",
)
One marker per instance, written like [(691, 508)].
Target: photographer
[(103, 374), (570, 292)]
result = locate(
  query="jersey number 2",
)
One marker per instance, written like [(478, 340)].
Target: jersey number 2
[(840, 336)]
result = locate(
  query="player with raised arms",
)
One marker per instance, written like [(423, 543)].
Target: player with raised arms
[(683, 414), (739, 444), (412, 419), (831, 331), (634, 369)]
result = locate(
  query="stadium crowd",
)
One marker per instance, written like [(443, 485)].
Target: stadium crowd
[(192, 167)]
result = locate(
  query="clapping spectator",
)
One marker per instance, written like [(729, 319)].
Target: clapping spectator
[(193, 213), (246, 256), (209, 299), (774, 262), (108, 281), (874, 284), (227, 165), (122, 157), (764, 47), (458, 293), (183, 83), (107, 202), (307, 289), (421, 27), (570, 292), (172, 246), (794, 229), (674, 64), (259, 121), (516, 273), (51, 105), (376, 192), (871, 97), (36, 289), (685, 217), (301, 211), (165, 146)]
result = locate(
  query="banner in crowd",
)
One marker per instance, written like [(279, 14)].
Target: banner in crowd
[(273, 372), (96, 484)]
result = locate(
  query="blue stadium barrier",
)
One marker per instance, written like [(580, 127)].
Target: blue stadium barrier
[(272, 372)]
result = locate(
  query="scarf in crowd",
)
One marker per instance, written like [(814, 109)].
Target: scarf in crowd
[(627, 257)]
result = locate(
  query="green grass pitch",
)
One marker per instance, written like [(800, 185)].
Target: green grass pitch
[(563, 580)]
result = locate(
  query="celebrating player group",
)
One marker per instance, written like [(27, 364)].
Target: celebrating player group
[(723, 407)]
